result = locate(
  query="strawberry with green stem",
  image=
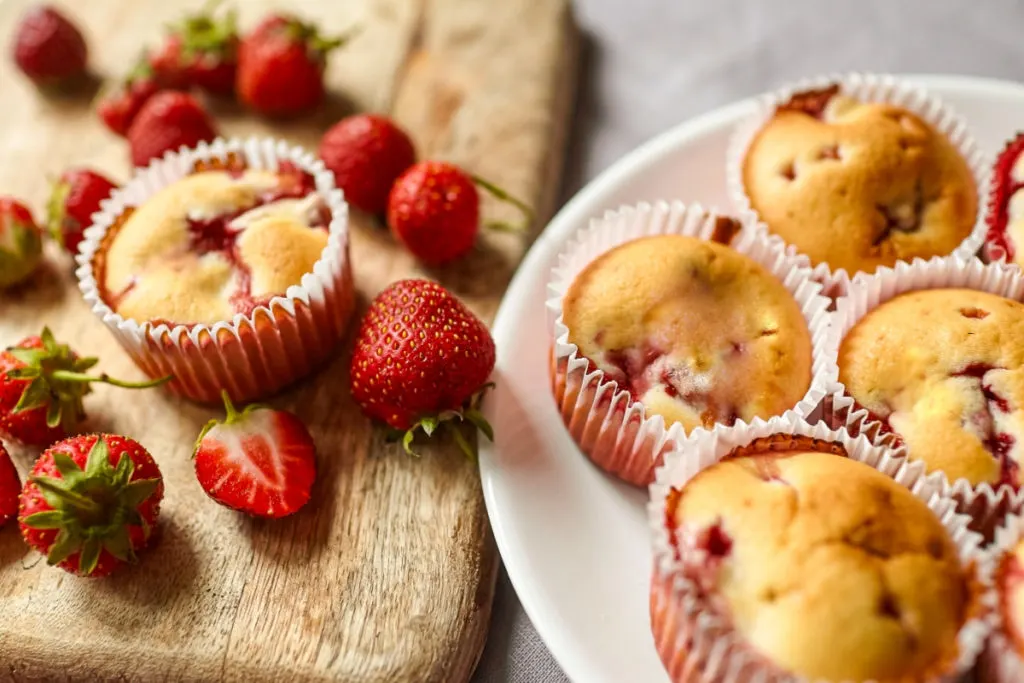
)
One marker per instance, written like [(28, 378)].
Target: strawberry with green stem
[(21, 243), (91, 503), (42, 387), (201, 50)]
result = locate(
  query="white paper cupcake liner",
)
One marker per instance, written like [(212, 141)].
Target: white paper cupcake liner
[(998, 195), (606, 423), (866, 88), (984, 503), (1001, 662), (696, 642), (251, 356)]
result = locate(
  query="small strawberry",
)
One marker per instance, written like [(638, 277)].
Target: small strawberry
[(42, 384), (48, 48), (421, 361), (281, 66), (117, 107), (259, 461), (91, 503), (200, 51), (366, 154), (10, 487), (434, 210), (168, 121), (75, 197), (21, 243)]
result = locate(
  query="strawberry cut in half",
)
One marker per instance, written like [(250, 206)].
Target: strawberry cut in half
[(259, 461), (91, 503), (10, 487)]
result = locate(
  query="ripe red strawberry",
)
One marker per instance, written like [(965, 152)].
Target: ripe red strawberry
[(201, 50), (434, 210), (10, 487), (421, 361), (281, 66), (91, 503), (168, 121), (42, 384), (21, 243), (259, 461), (75, 197), (366, 154), (48, 48), (119, 106)]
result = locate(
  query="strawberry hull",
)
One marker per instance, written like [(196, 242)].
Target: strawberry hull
[(254, 355)]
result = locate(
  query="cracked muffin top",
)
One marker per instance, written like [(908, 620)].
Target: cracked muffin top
[(213, 244), (825, 566), (1010, 584), (944, 369), (696, 331), (858, 185)]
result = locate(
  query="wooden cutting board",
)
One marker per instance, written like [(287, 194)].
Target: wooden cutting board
[(388, 575)]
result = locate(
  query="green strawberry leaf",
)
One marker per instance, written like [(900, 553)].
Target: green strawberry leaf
[(97, 463), (429, 424), (90, 556), (53, 414), (23, 373), (64, 545), (464, 445), (32, 357), (407, 442), (37, 394), (51, 519), (139, 491), (119, 545), (480, 422), (69, 470)]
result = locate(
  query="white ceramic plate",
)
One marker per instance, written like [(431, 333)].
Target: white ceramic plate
[(574, 541)]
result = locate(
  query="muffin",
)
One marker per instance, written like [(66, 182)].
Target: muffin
[(785, 557), (1005, 217), (227, 268), (944, 370), (856, 184), (698, 333), (1003, 660)]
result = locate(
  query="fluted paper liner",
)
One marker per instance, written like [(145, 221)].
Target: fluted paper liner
[(866, 88), (999, 195), (251, 356), (984, 503), (696, 642), (1001, 662), (605, 421)]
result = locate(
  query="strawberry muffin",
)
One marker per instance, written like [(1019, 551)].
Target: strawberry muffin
[(857, 184), (232, 275), (1005, 218), (804, 562), (944, 370), (1003, 661), (697, 332)]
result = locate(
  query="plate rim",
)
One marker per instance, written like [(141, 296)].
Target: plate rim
[(560, 228)]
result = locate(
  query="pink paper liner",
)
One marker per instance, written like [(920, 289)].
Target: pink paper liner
[(697, 644), (607, 424), (984, 503), (250, 356), (1001, 662), (865, 87)]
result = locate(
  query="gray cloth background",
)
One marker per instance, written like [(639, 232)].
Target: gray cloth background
[(650, 64)]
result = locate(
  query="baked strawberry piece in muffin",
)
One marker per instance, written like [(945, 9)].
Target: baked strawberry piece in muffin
[(857, 185), (944, 370), (212, 245), (819, 566), (1005, 217), (697, 332)]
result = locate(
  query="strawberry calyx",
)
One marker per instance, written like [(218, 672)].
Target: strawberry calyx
[(234, 416), (317, 45), (204, 34), (55, 212), (503, 196), (451, 422), (57, 379), (92, 508), (18, 262)]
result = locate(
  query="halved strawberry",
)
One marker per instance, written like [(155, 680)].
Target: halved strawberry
[(10, 487), (259, 461)]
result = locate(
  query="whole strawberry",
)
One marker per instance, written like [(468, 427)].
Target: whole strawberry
[(48, 48), (421, 361), (10, 487), (21, 243), (169, 120), (259, 461), (42, 384), (366, 154), (75, 197), (118, 106), (91, 503), (202, 51), (281, 66), (434, 210)]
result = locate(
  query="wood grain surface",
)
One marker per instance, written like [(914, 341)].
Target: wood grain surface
[(388, 575)]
